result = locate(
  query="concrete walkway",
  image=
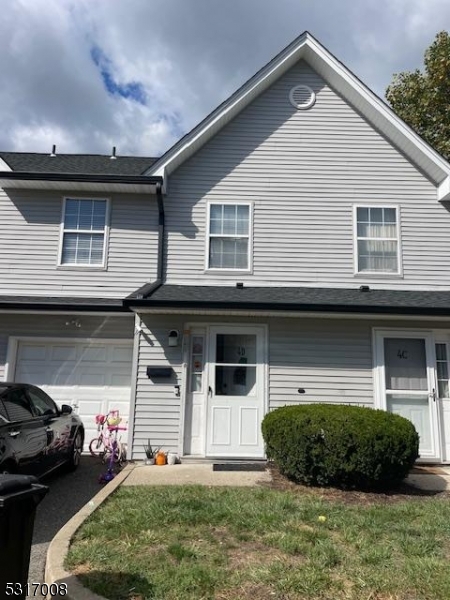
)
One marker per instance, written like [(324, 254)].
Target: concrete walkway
[(423, 477), (435, 479), (196, 474)]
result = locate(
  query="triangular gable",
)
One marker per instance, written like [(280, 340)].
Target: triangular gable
[(375, 110)]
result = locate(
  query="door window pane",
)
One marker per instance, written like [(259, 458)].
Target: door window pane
[(405, 364), (236, 348), (235, 381), (197, 363), (442, 370)]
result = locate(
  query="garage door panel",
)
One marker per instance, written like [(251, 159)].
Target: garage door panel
[(32, 352), (119, 355), (60, 353), (95, 354), (92, 377)]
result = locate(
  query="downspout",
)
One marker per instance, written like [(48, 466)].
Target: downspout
[(161, 233)]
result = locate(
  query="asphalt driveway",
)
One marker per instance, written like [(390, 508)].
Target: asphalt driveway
[(67, 494)]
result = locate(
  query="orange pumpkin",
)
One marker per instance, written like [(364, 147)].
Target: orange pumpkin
[(161, 458)]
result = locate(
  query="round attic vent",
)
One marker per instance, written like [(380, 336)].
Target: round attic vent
[(302, 97)]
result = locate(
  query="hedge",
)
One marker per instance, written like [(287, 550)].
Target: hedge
[(341, 446)]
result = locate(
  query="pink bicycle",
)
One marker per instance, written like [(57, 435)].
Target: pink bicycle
[(107, 445)]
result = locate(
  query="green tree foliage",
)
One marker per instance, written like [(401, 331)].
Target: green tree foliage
[(422, 99)]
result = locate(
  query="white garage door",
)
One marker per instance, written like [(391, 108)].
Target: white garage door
[(92, 376)]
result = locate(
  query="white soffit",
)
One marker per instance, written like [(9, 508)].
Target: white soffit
[(344, 82)]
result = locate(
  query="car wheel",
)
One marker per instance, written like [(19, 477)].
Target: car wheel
[(75, 452)]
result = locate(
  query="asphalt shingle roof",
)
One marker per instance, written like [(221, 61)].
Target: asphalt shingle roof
[(61, 303), (86, 164), (298, 298)]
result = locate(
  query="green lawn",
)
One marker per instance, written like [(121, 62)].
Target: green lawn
[(195, 543)]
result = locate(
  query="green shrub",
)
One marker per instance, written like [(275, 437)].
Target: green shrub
[(342, 446)]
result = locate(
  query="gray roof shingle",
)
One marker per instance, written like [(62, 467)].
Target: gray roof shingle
[(297, 299), (86, 164), (63, 303)]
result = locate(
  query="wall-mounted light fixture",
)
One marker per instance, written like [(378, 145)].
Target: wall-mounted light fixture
[(174, 335)]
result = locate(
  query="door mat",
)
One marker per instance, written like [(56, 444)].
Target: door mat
[(239, 466)]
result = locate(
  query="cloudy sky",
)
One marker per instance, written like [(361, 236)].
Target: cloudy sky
[(137, 74)]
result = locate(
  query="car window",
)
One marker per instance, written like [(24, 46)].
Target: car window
[(3, 415), (42, 404), (17, 405)]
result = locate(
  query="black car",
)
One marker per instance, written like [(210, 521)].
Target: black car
[(35, 435)]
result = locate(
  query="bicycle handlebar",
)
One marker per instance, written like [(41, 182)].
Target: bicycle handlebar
[(114, 428)]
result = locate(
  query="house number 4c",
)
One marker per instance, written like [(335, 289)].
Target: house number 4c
[(402, 354)]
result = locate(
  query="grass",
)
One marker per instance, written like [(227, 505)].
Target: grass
[(198, 543)]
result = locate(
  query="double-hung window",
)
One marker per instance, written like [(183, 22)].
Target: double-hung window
[(377, 239), (84, 232), (229, 236)]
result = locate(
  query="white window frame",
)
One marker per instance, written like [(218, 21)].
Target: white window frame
[(74, 266), (381, 274), (250, 237)]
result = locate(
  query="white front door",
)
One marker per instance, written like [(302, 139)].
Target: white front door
[(235, 394), (407, 384)]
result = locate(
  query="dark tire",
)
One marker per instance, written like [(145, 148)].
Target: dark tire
[(75, 452), (96, 447)]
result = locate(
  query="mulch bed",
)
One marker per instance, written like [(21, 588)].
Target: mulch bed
[(403, 493)]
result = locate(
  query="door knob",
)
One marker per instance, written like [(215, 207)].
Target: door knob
[(210, 391)]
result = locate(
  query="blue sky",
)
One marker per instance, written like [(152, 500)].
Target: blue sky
[(138, 74)]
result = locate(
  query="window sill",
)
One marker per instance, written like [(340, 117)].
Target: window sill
[(81, 268), (228, 272), (378, 275)]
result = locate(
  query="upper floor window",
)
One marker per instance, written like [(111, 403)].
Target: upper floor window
[(229, 236), (377, 240), (84, 230)]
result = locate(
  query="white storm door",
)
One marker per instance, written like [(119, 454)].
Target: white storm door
[(408, 385), (235, 395)]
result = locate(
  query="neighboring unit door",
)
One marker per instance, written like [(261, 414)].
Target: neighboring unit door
[(408, 385), (235, 395)]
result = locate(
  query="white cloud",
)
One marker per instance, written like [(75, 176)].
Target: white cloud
[(188, 56)]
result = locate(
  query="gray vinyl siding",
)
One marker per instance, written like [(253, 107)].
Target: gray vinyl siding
[(304, 171), (30, 240), (56, 326), (157, 413), (331, 360)]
